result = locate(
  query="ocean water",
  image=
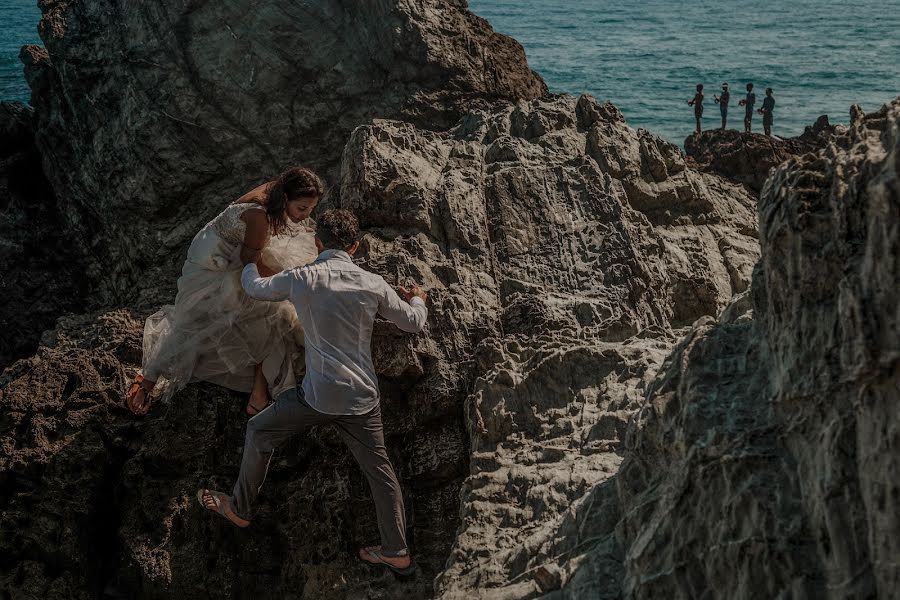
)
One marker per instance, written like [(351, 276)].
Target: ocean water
[(18, 26), (646, 56)]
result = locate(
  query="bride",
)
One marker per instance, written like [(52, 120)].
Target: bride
[(216, 333)]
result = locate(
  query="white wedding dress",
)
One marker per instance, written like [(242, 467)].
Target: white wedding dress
[(214, 332)]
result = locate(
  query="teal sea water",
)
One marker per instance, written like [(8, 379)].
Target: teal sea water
[(18, 26), (646, 56)]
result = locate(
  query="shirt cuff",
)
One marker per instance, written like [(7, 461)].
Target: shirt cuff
[(416, 300), (250, 268)]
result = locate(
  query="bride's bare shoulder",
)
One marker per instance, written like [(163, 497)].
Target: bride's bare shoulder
[(255, 218)]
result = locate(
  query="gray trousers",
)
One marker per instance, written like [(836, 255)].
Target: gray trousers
[(364, 434)]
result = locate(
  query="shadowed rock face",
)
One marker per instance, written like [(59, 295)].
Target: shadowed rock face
[(559, 276), (152, 118), (748, 158), (38, 257), (96, 503), (765, 460)]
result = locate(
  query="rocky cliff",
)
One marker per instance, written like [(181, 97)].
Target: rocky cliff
[(601, 406)]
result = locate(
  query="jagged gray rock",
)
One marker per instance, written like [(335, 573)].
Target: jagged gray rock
[(566, 253)]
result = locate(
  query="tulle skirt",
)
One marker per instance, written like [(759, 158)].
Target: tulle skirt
[(216, 333)]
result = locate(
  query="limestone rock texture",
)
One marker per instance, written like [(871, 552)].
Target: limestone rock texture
[(748, 158), (151, 118), (765, 459)]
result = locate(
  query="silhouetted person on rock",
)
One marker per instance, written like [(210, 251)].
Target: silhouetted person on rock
[(697, 103), (767, 111), (723, 101), (748, 103), (337, 303)]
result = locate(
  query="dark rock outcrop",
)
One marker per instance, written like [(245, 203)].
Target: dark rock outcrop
[(39, 281), (151, 118), (748, 158), (98, 504)]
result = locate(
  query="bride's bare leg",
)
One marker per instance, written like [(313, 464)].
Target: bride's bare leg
[(259, 397)]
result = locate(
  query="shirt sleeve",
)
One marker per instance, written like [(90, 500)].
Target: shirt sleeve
[(276, 287), (409, 316)]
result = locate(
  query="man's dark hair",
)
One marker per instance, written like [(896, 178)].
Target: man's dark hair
[(337, 229)]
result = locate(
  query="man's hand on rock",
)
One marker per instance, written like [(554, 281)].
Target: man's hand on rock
[(413, 292)]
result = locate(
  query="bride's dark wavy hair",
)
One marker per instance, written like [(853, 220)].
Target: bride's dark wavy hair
[(295, 183)]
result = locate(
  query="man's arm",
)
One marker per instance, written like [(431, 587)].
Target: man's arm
[(410, 315), (277, 287)]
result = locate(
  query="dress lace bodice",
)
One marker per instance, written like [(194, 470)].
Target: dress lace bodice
[(228, 223)]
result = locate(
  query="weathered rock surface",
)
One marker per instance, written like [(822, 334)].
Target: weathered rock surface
[(36, 281), (766, 459), (150, 119), (563, 250), (748, 158)]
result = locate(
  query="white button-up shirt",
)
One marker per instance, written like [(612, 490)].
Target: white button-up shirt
[(336, 302)]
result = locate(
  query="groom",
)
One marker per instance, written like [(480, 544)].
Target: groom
[(336, 302)]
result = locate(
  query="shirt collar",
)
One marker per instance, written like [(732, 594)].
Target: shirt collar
[(330, 253)]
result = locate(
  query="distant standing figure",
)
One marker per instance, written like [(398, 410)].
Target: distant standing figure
[(748, 103), (697, 103), (767, 111), (723, 101)]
